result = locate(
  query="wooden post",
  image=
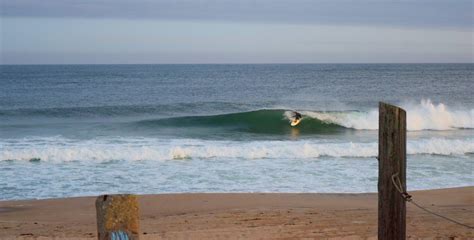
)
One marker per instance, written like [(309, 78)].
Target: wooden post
[(117, 217), (392, 160)]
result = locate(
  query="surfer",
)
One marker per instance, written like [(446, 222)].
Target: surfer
[(296, 118)]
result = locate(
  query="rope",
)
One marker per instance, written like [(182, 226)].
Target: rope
[(407, 197)]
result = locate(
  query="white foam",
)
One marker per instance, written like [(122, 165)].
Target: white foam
[(61, 149), (423, 116)]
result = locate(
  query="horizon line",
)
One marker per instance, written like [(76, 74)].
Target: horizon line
[(236, 63)]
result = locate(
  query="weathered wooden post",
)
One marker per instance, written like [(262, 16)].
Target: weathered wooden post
[(117, 217), (392, 165)]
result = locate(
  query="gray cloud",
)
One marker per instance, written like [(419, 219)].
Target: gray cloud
[(403, 13)]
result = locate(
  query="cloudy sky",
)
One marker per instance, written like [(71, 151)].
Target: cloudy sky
[(236, 31)]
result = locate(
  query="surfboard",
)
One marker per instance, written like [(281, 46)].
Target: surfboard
[(295, 122)]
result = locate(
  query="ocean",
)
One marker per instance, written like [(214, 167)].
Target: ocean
[(81, 130)]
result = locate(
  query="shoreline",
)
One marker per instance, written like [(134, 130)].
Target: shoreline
[(243, 215)]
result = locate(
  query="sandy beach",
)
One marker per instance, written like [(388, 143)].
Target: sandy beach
[(243, 216)]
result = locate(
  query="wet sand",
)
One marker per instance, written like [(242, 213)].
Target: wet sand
[(243, 216)]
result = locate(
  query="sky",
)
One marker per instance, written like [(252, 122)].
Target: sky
[(231, 31)]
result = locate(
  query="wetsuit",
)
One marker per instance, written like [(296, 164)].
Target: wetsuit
[(297, 115)]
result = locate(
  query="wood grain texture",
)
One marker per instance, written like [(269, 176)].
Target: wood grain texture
[(392, 160)]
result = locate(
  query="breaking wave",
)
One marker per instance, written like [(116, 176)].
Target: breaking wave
[(266, 121), (61, 149), (423, 116)]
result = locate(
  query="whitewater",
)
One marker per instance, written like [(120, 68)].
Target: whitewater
[(423, 116), (59, 149)]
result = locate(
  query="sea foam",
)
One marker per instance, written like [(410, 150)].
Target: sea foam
[(423, 116), (61, 149)]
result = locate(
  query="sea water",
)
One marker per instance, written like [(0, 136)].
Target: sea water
[(79, 130)]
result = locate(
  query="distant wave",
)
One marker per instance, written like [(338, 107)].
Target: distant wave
[(115, 110), (80, 112), (132, 149)]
